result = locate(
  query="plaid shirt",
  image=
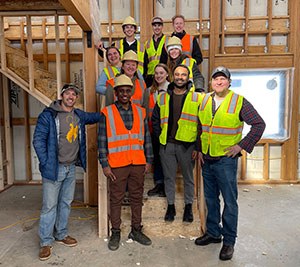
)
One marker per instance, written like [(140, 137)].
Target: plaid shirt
[(249, 115), (127, 117)]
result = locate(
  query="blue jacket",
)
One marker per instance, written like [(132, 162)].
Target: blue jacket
[(45, 140)]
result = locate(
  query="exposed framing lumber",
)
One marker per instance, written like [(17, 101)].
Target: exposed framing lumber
[(67, 50), (1, 157), (30, 54), (90, 104), (109, 22), (2, 44), (246, 13), (58, 64), (23, 45), (27, 138), (132, 9), (45, 45), (8, 132), (269, 35), (266, 162), (146, 14)]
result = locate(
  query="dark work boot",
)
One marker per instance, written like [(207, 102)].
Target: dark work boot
[(138, 236), (188, 213), (114, 240), (170, 214), (158, 190)]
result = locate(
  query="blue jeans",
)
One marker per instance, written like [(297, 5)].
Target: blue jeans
[(220, 176), (57, 198)]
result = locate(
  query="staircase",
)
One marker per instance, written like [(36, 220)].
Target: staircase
[(45, 85), (154, 210)]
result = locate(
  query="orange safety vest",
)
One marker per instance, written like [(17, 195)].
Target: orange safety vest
[(125, 147), (139, 89), (152, 102), (187, 44)]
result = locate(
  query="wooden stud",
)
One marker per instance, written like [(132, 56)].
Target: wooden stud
[(132, 11), (110, 22), (269, 35), (177, 7), (2, 44), (246, 13), (90, 104), (67, 50), (200, 17), (102, 203), (23, 45), (29, 52), (45, 45), (27, 137), (266, 162), (243, 164), (8, 132), (1, 157), (289, 150), (58, 64), (223, 21), (146, 8)]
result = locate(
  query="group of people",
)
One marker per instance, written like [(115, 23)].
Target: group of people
[(157, 113)]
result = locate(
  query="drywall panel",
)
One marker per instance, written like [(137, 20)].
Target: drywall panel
[(19, 152), (205, 8), (234, 8), (256, 40), (204, 71), (52, 47), (258, 8), (189, 8), (120, 9), (35, 107), (233, 40), (275, 162), (280, 7), (279, 40), (103, 10), (254, 164), (166, 9), (17, 103), (75, 46)]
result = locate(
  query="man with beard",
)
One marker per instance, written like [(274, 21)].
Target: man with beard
[(60, 144), (176, 123)]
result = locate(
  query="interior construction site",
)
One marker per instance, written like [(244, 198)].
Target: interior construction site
[(45, 44)]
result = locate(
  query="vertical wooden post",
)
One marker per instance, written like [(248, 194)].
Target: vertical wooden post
[(58, 65), (269, 35), (146, 14), (23, 45), (2, 44), (8, 132), (90, 103), (222, 26), (243, 165), (266, 162), (30, 54), (200, 17), (214, 10), (132, 8), (67, 50), (27, 138), (177, 7), (289, 149), (246, 11), (1, 151), (110, 21), (45, 44)]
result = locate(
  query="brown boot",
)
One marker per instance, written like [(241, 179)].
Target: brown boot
[(68, 241), (45, 253)]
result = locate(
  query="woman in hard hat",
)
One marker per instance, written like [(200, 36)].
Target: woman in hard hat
[(176, 57), (129, 42), (113, 57), (160, 84), (130, 68)]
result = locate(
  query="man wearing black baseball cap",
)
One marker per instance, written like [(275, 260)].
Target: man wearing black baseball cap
[(222, 114), (156, 51), (60, 144)]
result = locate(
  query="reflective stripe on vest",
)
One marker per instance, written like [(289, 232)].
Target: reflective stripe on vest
[(189, 62), (122, 142), (188, 121), (187, 45), (225, 128), (111, 72), (154, 55)]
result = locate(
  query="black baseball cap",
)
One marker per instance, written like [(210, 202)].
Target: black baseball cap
[(70, 86), (221, 69)]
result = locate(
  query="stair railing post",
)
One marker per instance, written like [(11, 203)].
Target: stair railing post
[(58, 64)]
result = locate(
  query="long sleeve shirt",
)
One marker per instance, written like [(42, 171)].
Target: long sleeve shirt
[(249, 115), (127, 117), (101, 83)]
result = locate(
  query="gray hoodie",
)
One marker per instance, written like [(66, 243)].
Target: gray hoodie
[(68, 140)]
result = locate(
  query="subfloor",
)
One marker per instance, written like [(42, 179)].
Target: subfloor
[(268, 235)]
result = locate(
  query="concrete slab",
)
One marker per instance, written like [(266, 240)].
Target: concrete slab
[(269, 234)]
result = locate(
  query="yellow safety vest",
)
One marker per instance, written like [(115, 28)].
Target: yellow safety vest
[(188, 121), (189, 62), (111, 72), (140, 53), (225, 129), (153, 55)]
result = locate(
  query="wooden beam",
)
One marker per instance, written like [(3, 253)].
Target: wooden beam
[(146, 14), (223, 19), (1, 151), (266, 163), (23, 45), (58, 63), (243, 165), (27, 137), (103, 225), (177, 7), (110, 21), (80, 11), (246, 11), (8, 132), (30, 54), (67, 51), (2, 44), (132, 13), (32, 5), (289, 150), (90, 101), (269, 35), (45, 45)]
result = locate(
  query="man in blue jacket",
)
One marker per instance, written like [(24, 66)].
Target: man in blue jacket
[(60, 144)]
